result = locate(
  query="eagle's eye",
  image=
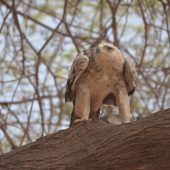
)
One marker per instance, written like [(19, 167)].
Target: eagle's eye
[(109, 48)]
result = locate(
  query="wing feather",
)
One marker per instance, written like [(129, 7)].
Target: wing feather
[(130, 75), (79, 65)]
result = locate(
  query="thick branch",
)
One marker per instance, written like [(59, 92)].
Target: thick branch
[(143, 145)]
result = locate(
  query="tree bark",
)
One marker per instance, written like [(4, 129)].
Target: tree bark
[(140, 145)]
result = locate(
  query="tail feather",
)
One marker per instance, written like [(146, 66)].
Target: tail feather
[(72, 118)]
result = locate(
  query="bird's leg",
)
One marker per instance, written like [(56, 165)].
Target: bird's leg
[(94, 115), (82, 105), (97, 114), (95, 105), (123, 103)]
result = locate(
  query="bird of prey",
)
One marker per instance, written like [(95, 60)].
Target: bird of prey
[(100, 75)]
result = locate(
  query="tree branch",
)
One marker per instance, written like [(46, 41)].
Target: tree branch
[(140, 145)]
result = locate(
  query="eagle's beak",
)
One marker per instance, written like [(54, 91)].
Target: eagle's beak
[(97, 49)]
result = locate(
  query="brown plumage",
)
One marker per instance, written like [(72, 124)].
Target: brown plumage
[(101, 75)]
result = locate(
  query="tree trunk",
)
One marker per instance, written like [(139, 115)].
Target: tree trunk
[(140, 145)]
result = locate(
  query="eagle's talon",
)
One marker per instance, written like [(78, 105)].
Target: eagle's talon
[(77, 121), (82, 120)]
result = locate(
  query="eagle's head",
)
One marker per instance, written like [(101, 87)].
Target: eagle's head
[(106, 48)]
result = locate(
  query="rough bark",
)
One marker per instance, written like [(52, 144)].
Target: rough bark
[(140, 145)]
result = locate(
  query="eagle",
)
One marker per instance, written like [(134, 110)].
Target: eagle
[(100, 75)]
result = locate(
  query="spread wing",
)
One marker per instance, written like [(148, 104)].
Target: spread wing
[(130, 75), (78, 67)]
